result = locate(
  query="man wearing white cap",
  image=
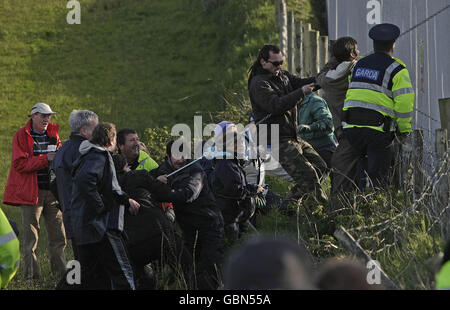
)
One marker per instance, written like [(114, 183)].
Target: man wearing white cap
[(34, 147)]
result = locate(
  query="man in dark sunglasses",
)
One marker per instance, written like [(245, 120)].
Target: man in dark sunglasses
[(273, 66), (275, 95)]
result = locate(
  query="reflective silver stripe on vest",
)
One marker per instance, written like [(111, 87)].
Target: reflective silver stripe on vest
[(375, 87), (391, 128), (7, 238), (378, 108), (403, 91), (142, 162), (404, 115), (3, 266), (345, 124), (370, 106), (388, 73)]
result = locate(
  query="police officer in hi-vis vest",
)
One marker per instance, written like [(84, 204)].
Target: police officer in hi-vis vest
[(9, 251), (378, 108)]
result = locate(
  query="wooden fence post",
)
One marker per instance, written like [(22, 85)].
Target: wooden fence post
[(418, 162), (305, 48), (298, 47), (406, 169), (281, 18), (291, 38), (444, 109), (311, 52), (323, 51), (443, 186), (315, 52), (395, 173)]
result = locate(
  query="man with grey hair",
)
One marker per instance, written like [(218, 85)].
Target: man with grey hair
[(82, 124)]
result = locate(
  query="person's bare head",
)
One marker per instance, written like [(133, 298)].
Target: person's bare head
[(344, 274), (83, 122), (271, 59), (104, 135), (120, 164), (268, 264), (384, 47), (128, 144), (345, 49), (177, 152)]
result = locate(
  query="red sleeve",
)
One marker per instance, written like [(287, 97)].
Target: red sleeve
[(23, 159)]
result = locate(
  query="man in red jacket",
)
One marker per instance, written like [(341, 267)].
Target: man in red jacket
[(34, 147)]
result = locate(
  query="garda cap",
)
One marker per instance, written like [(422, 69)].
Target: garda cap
[(384, 32)]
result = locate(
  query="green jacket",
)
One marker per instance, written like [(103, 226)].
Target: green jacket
[(9, 251), (146, 162), (313, 111)]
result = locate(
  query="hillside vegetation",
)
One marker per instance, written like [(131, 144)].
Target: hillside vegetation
[(139, 64), (148, 64)]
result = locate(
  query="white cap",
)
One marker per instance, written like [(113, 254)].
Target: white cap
[(42, 108)]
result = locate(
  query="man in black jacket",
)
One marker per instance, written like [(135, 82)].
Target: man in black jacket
[(151, 235), (197, 215), (82, 124), (275, 94), (97, 214), (233, 193)]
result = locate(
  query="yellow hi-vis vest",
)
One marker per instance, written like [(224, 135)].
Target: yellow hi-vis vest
[(443, 277), (381, 83), (146, 162), (9, 251)]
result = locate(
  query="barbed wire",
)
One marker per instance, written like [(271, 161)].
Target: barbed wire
[(426, 115), (419, 24), (435, 179), (424, 21)]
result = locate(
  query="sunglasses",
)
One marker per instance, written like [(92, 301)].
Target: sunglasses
[(276, 63)]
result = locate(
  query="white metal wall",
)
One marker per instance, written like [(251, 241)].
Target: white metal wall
[(425, 50)]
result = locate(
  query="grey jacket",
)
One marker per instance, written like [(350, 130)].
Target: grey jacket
[(333, 79)]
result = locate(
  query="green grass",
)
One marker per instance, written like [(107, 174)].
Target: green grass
[(154, 63), (403, 246), (140, 64)]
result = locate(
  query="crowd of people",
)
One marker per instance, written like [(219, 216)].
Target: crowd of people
[(128, 216)]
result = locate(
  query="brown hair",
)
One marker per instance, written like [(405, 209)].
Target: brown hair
[(103, 134), (343, 47)]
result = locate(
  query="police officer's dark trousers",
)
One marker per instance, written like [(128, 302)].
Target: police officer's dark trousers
[(354, 145)]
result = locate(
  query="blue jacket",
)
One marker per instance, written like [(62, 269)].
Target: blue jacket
[(314, 112), (62, 165), (96, 205)]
